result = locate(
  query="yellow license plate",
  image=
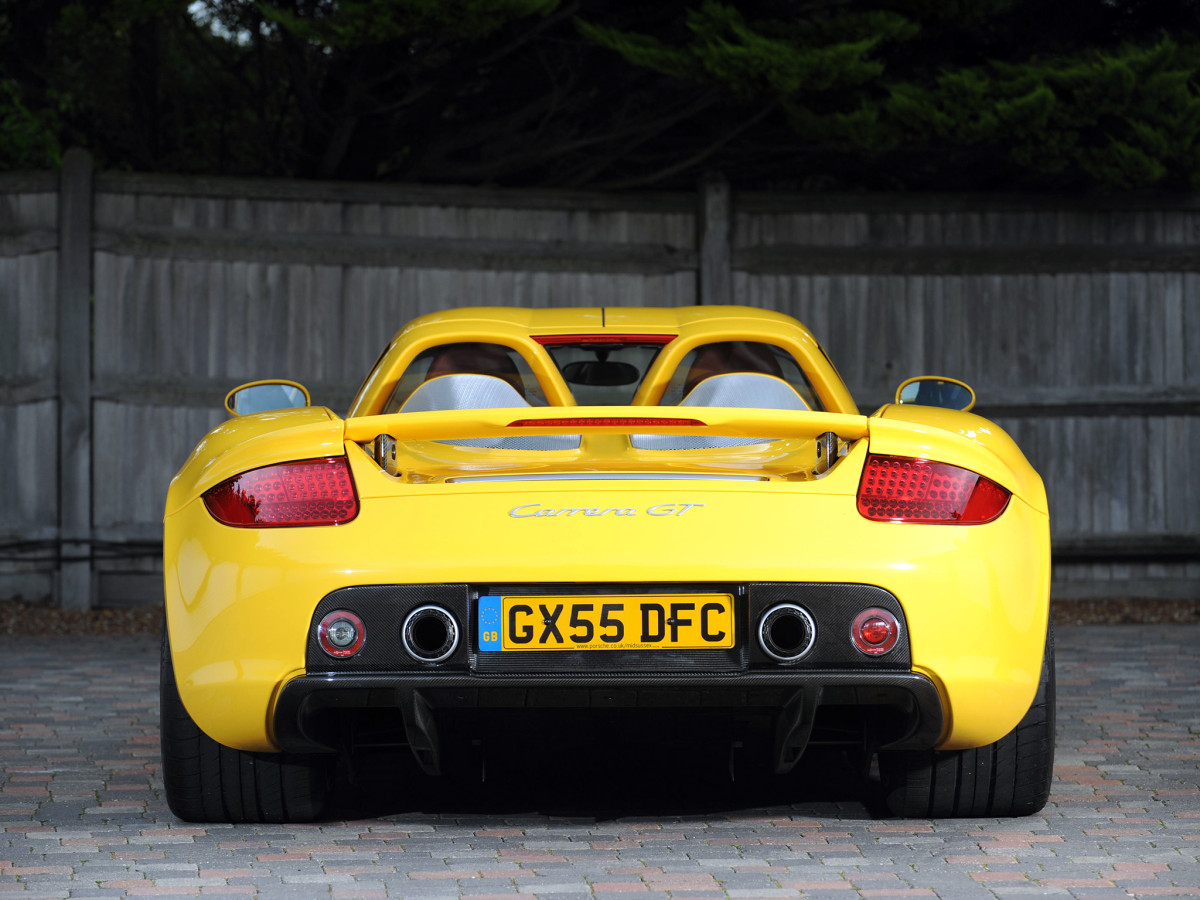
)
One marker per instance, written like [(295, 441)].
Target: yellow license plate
[(625, 622)]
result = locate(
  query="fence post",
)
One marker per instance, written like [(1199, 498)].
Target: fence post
[(715, 225), (75, 582)]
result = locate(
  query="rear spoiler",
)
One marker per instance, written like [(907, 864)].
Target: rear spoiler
[(460, 424)]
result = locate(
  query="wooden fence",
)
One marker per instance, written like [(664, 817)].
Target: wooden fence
[(130, 304)]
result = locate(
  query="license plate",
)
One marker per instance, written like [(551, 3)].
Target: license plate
[(626, 622)]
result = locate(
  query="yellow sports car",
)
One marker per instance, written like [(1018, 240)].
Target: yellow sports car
[(674, 520)]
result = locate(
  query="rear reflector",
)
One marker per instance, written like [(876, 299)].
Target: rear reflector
[(875, 632), (308, 492), (904, 489), (609, 421), (341, 634)]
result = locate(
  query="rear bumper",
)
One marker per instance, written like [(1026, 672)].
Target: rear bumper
[(312, 711), (843, 694)]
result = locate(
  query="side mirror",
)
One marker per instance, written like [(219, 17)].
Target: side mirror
[(927, 390), (266, 396)]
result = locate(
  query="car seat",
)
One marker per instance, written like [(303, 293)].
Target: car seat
[(742, 390), (447, 392)]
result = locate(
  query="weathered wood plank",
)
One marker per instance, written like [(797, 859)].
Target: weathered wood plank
[(29, 490), (29, 334), (1190, 330), (716, 243), (954, 258), (1128, 547), (1191, 484), (317, 248), (1154, 453), (28, 182), (74, 378), (17, 242), (392, 194)]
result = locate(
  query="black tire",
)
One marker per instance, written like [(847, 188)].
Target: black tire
[(208, 782), (1008, 778)]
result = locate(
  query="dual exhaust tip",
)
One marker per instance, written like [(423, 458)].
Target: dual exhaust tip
[(430, 634), (786, 633)]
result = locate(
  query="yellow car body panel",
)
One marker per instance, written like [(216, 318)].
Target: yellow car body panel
[(252, 611), (240, 601), (254, 441), (964, 438)]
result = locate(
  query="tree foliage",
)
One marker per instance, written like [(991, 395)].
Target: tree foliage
[(778, 94)]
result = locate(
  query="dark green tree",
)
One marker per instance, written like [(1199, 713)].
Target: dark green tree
[(946, 94), (29, 139), (778, 94)]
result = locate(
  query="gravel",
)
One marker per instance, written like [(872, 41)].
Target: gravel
[(17, 618)]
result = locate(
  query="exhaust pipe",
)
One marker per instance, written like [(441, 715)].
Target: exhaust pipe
[(430, 634), (786, 632)]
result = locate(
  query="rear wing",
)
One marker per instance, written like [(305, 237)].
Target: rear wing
[(464, 424)]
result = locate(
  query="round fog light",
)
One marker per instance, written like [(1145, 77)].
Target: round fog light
[(875, 631), (341, 634)]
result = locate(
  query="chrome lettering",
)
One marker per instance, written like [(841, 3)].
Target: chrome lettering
[(671, 509), (536, 510)]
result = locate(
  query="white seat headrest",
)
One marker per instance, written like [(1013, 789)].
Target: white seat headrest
[(746, 390), (465, 391), (743, 390)]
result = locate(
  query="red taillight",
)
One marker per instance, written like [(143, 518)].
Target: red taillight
[(903, 489), (875, 631), (309, 492)]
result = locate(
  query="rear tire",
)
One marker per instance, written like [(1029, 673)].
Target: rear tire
[(1010, 777), (208, 782)]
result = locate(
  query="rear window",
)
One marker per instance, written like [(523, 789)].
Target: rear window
[(604, 374), (601, 374), (723, 357), (467, 358)]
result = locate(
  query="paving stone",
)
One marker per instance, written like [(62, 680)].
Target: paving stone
[(82, 812)]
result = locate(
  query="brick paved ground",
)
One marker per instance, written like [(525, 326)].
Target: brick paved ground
[(82, 812)]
